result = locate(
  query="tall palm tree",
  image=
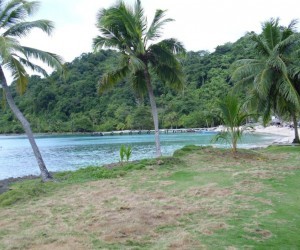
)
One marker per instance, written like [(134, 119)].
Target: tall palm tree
[(125, 28), (274, 73), (16, 58)]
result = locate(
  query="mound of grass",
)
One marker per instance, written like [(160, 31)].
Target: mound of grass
[(188, 149), (27, 190)]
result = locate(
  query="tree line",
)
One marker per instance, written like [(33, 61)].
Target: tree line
[(72, 103)]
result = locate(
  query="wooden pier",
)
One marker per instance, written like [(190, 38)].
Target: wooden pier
[(161, 131)]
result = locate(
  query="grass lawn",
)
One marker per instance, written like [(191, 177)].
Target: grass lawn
[(201, 198)]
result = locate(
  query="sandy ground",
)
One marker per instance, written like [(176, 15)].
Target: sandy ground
[(287, 132)]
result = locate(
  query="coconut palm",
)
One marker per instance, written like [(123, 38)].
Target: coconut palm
[(17, 58), (274, 73), (233, 117), (125, 28)]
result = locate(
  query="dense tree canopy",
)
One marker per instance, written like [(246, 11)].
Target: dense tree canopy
[(63, 102)]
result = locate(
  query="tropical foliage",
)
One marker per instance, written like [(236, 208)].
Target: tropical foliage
[(274, 72), (125, 28), (71, 104), (233, 117), (16, 58), (125, 153)]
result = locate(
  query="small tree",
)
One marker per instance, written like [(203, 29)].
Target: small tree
[(233, 118)]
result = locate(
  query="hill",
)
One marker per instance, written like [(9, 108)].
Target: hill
[(72, 104)]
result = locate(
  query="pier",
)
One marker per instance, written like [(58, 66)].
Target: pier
[(161, 131)]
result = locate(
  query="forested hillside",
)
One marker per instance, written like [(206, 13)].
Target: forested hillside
[(72, 103)]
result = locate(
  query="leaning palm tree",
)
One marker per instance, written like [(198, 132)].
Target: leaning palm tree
[(16, 58), (274, 72), (125, 29)]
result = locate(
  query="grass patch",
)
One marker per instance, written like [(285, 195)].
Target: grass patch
[(202, 198), (33, 189), (188, 149)]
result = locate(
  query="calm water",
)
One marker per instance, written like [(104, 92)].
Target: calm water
[(70, 152)]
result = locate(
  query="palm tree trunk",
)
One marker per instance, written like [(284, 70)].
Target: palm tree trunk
[(296, 140), (46, 176), (154, 112)]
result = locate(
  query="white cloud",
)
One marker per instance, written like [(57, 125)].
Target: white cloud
[(200, 25)]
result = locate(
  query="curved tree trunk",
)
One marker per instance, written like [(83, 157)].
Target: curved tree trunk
[(46, 176), (296, 139), (154, 112)]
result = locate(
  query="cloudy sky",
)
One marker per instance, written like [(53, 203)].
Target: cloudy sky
[(199, 24)]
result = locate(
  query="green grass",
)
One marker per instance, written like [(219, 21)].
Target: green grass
[(200, 198), (33, 189)]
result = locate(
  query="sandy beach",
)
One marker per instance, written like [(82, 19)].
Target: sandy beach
[(286, 134)]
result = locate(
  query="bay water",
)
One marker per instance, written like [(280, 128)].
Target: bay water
[(71, 152)]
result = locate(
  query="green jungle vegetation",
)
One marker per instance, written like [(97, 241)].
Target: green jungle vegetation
[(72, 103), (200, 198)]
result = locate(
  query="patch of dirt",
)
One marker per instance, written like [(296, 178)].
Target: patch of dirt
[(257, 234), (209, 191), (249, 186)]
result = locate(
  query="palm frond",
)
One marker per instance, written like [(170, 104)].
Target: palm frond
[(271, 32), (32, 66), (275, 62), (290, 29), (173, 45), (139, 83), (263, 82), (17, 11), (260, 45), (19, 74), (158, 54), (121, 22), (135, 64), (172, 76), (108, 80), (22, 29), (288, 91), (8, 46), (109, 41), (154, 31), (52, 60), (140, 19), (245, 68)]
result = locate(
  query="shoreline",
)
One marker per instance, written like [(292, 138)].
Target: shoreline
[(286, 133), (286, 137)]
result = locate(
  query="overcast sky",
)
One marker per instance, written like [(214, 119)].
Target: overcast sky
[(199, 24)]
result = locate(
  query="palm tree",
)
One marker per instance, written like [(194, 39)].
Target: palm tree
[(125, 29), (233, 118), (274, 74), (16, 58)]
